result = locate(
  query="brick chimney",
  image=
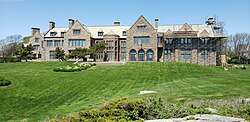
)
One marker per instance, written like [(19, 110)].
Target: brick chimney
[(71, 22), (51, 25), (156, 23), (34, 31)]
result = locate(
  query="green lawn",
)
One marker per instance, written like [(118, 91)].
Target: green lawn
[(37, 93)]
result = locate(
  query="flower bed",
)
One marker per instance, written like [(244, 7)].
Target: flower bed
[(74, 68)]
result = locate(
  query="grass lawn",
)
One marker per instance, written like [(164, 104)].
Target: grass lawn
[(37, 93)]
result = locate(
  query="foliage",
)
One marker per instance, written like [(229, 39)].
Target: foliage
[(151, 108), (25, 53), (26, 39), (39, 94), (4, 82), (59, 53), (97, 47), (74, 68), (9, 59), (79, 53)]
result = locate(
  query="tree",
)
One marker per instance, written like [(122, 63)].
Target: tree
[(98, 47), (79, 53), (59, 53), (25, 53), (239, 46), (12, 44)]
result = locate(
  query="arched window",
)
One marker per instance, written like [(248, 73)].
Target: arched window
[(150, 55), (132, 55), (141, 54)]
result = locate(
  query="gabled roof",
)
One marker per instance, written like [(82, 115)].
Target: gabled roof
[(142, 17), (57, 31), (107, 29), (195, 27)]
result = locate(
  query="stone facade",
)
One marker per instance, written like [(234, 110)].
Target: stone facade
[(196, 44)]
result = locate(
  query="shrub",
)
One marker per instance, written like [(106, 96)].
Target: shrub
[(4, 82), (74, 68)]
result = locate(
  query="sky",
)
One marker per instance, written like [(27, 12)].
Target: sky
[(18, 16)]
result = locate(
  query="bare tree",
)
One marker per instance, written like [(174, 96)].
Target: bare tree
[(2, 46), (12, 43), (239, 44)]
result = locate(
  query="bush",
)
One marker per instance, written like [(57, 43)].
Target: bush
[(4, 82), (74, 68)]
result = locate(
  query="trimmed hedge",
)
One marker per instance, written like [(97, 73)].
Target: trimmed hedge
[(74, 68), (4, 82), (9, 59)]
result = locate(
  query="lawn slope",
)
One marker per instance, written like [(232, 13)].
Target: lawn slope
[(37, 93)]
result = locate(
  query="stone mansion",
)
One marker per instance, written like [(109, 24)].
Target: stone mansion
[(193, 43)]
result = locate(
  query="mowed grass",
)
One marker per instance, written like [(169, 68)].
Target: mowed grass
[(38, 94)]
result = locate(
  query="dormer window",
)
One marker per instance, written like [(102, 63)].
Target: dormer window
[(62, 34), (77, 32), (36, 39), (100, 33), (52, 33), (141, 28), (124, 33)]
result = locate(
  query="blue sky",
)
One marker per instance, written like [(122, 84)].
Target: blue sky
[(18, 16)]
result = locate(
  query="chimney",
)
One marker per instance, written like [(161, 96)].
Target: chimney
[(34, 31), (117, 23), (71, 22), (51, 25), (156, 23)]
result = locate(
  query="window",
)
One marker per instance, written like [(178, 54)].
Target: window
[(150, 55), (141, 54), (76, 42), (204, 40), (62, 34), (100, 33), (76, 32), (52, 33), (36, 39), (186, 54), (169, 41), (141, 28), (110, 43), (123, 44), (167, 55), (186, 40), (142, 40), (124, 33), (159, 40), (132, 55), (49, 43), (39, 55), (123, 56), (57, 43), (62, 42), (36, 47), (52, 54), (204, 54)]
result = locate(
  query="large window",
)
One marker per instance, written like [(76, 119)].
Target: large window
[(77, 32), (141, 40), (123, 50), (36, 47), (204, 40), (204, 54), (132, 55), (110, 56), (141, 54), (57, 43), (49, 43), (186, 40), (186, 54), (141, 28), (76, 42), (159, 40), (110, 43), (52, 54), (150, 55), (169, 41), (167, 55)]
